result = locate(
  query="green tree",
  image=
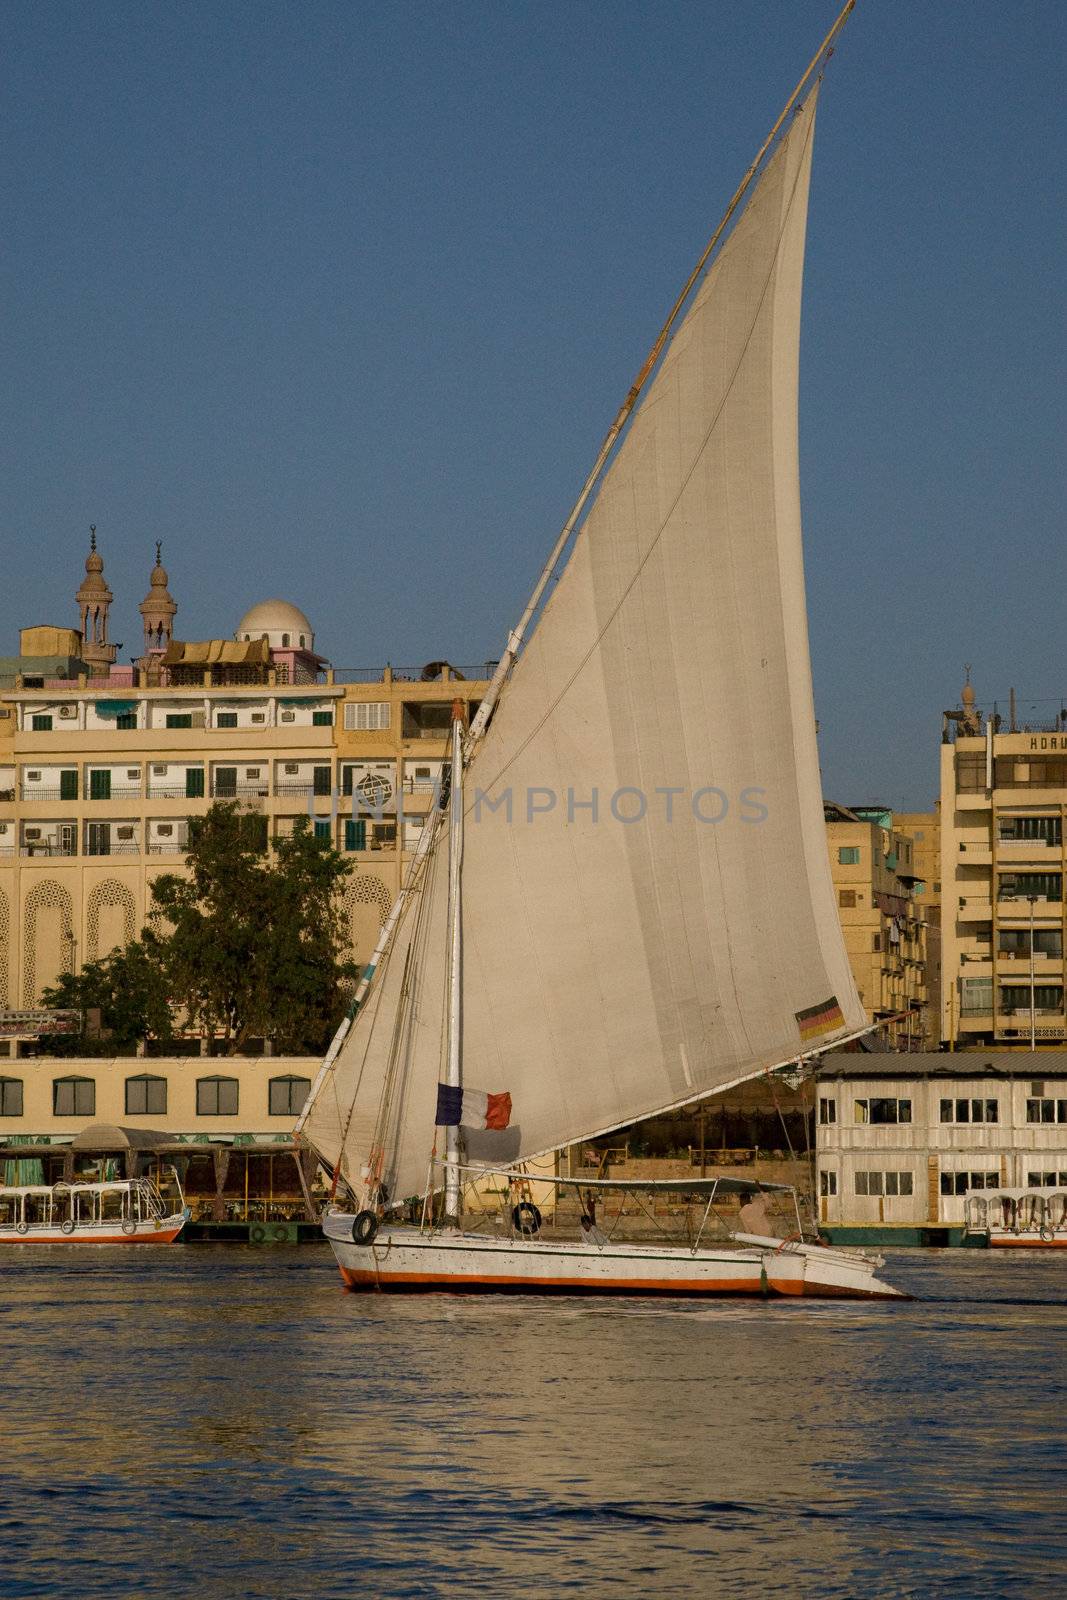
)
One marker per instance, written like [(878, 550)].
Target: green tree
[(252, 947), (122, 999)]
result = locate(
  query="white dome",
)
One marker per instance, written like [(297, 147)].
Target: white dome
[(284, 626)]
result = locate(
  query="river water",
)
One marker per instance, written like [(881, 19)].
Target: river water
[(224, 1421)]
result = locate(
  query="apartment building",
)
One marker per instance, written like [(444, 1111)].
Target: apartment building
[(101, 770), (880, 898), (1003, 801)]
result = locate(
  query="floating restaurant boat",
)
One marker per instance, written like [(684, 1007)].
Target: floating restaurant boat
[(126, 1211), (1017, 1219), (623, 903)]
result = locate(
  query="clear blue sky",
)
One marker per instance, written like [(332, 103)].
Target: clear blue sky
[(338, 300)]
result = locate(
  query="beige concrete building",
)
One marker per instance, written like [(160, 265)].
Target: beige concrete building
[(1003, 803), (872, 863), (100, 772)]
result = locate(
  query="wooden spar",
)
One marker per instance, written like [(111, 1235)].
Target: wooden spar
[(453, 1072), (515, 638)]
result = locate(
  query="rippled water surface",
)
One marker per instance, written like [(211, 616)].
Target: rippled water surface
[(218, 1421)]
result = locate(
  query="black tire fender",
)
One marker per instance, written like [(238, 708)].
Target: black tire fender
[(526, 1218), (66, 1226), (364, 1227), (281, 1232), (257, 1233)]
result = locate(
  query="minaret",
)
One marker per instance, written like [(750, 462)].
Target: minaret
[(94, 597), (157, 608)]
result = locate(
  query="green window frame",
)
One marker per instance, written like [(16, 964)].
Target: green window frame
[(286, 1096), (322, 719), (10, 1097), (226, 719), (226, 782), (848, 855), (68, 784), (356, 833), (194, 783), (146, 1096), (73, 1097), (217, 1097), (323, 830), (126, 720), (41, 723), (321, 780), (100, 784), (182, 719)]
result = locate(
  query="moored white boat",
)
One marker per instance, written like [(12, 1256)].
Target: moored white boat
[(126, 1211), (1034, 1218)]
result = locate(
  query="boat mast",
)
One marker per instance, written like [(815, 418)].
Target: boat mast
[(516, 636), (453, 1064)]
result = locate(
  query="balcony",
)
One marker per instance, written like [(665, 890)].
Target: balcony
[(975, 908), (48, 847), (32, 792), (117, 791), (172, 791), (239, 791)]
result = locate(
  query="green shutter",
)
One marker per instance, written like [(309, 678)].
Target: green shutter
[(322, 780), (226, 719), (127, 719), (194, 783), (42, 724), (322, 719), (68, 786), (323, 831), (100, 785), (226, 782), (175, 721), (356, 834)]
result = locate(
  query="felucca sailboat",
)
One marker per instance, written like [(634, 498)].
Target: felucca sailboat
[(623, 903)]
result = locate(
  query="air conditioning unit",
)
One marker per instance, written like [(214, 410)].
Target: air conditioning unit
[(33, 777), (165, 830), (159, 772), (68, 711), (291, 769), (33, 833), (133, 772), (258, 717), (287, 716), (124, 832), (251, 772)]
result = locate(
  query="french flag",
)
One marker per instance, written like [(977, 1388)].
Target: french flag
[(471, 1108)]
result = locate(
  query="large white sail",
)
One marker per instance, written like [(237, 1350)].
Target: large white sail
[(615, 968), (647, 906)]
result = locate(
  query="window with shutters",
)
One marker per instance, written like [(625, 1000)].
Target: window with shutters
[(146, 1096), (10, 1097), (216, 1097), (367, 716), (286, 1096), (73, 1097)]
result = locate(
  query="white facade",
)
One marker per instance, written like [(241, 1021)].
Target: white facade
[(901, 1139)]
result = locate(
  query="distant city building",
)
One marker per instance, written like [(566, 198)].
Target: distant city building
[(102, 766), (1003, 800), (881, 900)]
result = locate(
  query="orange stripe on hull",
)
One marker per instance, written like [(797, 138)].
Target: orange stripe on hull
[(1028, 1244), (453, 1281)]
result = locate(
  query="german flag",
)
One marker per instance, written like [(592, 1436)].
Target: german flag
[(820, 1019)]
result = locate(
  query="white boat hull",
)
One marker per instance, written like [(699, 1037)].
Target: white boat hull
[(162, 1230), (405, 1260)]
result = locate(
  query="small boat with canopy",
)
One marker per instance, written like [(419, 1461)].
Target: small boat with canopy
[(120, 1211), (622, 901)]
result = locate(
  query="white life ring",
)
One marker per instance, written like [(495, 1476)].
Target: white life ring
[(67, 1225)]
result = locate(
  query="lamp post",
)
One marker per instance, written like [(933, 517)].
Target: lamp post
[(1033, 1031)]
